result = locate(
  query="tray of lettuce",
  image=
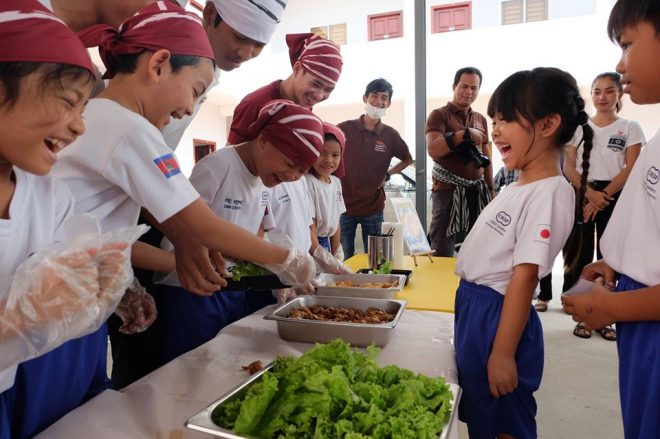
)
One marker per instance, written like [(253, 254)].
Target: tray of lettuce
[(332, 391), (247, 276)]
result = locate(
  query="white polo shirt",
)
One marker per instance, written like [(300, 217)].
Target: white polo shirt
[(632, 238), (292, 212), (609, 151), (524, 224), (38, 208), (327, 204), (120, 164)]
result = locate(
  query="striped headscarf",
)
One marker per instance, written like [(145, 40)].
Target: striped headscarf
[(255, 19), (159, 25), (338, 134), (31, 33), (318, 56), (294, 130)]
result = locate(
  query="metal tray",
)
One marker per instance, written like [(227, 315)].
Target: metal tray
[(316, 331), (407, 273), (202, 420), (377, 293)]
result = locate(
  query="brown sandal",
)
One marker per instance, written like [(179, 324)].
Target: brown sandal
[(581, 331), (608, 333), (541, 305)]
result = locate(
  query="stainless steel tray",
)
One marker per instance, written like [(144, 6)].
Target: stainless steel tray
[(316, 331), (202, 420), (377, 293)]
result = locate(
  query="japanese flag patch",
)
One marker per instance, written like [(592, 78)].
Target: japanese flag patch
[(168, 165), (543, 233)]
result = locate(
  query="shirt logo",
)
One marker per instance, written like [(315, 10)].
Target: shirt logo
[(653, 175), (380, 146), (265, 199), (617, 142), (503, 218), (168, 165), (543, 234)]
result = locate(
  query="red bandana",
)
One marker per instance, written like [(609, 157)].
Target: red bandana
[(318, 56), (160, 25), (294, 130), (329, 128), (30, 33)]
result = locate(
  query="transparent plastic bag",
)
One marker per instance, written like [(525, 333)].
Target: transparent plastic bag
[(66, 290)]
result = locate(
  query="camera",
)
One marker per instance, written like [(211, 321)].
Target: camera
[(467, 150)]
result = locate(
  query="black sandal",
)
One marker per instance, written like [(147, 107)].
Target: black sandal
[(608, 333), (581, 331)]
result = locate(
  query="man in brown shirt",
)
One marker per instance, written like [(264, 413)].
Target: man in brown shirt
[(461, 186), (370, 146)]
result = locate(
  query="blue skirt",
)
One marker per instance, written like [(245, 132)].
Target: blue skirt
[(50, 386), (639, 372), (477, 315), (324, 242), (189, 320)]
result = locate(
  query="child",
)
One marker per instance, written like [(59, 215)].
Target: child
[(43, 90), (617, 144), (632, 237), (325, 191), (284, 142), (499, 341), (159, 62)]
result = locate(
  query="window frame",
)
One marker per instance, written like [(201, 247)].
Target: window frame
[(451, 6), (370, 22), (200, 142)]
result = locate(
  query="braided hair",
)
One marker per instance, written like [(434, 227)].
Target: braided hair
[(531, 95)]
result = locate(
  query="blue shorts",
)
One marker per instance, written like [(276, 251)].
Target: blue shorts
[(477, 315), (639, 372), (189, 320), (324, 242), (6, 403), (50, 386)]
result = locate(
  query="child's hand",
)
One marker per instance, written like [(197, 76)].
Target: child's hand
[(137, 310), (502, 374), (590, 308), (196, 271), (600, 269)]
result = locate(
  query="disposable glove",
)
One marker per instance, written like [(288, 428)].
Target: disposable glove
[(137, 309), (339, 253), (329, 264), (298, 269)]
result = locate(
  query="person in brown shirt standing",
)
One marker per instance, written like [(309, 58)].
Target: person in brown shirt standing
[(462, 174), (370, 146)]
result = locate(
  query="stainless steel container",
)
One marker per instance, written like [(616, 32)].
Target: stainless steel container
[(324, 289), (379, 250), (202, 420), (317, 331)]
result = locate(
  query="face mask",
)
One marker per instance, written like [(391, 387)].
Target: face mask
[(374, 112)]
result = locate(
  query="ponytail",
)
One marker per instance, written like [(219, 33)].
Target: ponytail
[(574, 243)]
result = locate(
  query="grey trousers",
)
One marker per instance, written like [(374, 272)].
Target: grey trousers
[(441, 199)]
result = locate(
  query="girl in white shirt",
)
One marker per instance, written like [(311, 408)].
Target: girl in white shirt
[(325, 192), (617, 144), (499, 340)]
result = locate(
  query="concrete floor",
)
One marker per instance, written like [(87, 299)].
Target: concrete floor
[(579, 394)]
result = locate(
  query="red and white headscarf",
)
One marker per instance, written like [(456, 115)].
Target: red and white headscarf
[(318, 56), (338, 134), (160, 25), (31, 33), (294, 130)]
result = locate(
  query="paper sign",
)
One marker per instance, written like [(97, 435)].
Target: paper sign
[(413, 232)]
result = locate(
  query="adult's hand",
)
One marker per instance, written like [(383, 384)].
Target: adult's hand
[(598, 198)]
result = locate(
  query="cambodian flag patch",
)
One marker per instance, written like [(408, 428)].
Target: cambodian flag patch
[(543, 233), (168, 165)]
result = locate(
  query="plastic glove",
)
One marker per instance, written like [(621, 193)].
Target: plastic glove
[(137, 309), (328, 263), (284, 295), (339, 253), (298, 269), (64, 292)]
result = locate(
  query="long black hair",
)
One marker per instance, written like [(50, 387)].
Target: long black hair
[(532, 95)]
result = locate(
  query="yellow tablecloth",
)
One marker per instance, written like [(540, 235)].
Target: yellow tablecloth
[(432, 286)]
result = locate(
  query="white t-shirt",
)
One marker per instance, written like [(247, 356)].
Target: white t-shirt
[(327, 204), (231, 191), (524, 224), (38, 208), (608, 153), (120, 164), (173, 131), (292, 212), (632, 237)]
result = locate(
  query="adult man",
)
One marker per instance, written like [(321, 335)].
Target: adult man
[(370, 146), (462, 174)]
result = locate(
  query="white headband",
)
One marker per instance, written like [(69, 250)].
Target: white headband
[(255, 19)]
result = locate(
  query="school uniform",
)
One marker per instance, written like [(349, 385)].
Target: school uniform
[(292, 212), (526, 224), (118, 165), (239, 197), (327, 205), (630, 248)]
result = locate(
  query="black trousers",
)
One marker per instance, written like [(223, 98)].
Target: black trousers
[(591, 234), (442, 200)]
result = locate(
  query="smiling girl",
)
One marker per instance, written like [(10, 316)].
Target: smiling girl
[(499, 340)]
